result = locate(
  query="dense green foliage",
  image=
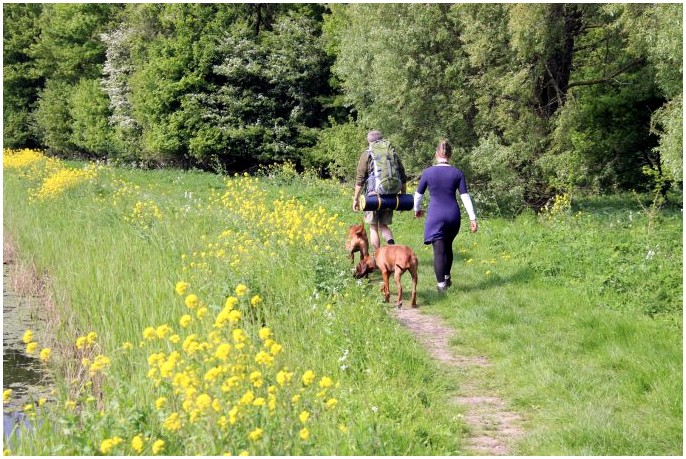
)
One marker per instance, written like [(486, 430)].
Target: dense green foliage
[(538, 99)]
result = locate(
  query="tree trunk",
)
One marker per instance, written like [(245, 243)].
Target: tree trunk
[(553, 83)]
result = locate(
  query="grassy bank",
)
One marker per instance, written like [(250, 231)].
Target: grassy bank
[(594, 369)]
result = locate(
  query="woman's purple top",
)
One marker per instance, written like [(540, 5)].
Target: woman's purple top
[(443, 215)]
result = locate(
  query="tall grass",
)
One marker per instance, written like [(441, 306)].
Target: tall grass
[(594, 369)]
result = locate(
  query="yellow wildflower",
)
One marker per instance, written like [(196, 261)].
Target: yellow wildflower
[(230, 383), (308, 377), (264, 333), (330, 403), (81, 342), (304, 433), (241, 290), (202, 312), (247, 398), (203, 402), (127, 346), (160, 403), (263, 358), (275, 349), (238, 335), (325, 382), (223, 351), (231, 302), (233, 415), (192, 301), (45, 354), (91, 337), (28, 337), (255, 300), (137, 443), (149, 333), (162, 331), (256, 378), (304, 416), (158, 446), (181, 288), (173, 422), (212, 374), (31, 347), (107, 445), (283, 377), (256, 434), (235, 316), (100, 363), (185, 320), (6, 394)]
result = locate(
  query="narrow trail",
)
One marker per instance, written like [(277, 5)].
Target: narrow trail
[(493, 428)]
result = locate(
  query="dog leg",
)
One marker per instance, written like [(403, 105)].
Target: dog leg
[(413, 273), (384, 287), (398, 273)]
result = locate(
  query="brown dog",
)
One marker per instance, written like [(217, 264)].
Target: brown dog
[(392, 259), (357, 242)]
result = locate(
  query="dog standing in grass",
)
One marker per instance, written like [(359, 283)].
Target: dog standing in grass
[(357, 242), (389, 259)]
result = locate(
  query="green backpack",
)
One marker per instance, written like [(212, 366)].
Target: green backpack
[(384, 177)]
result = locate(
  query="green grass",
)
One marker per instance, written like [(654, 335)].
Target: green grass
[(582, 327)]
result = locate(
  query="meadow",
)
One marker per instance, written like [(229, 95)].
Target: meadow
[(194, 313)]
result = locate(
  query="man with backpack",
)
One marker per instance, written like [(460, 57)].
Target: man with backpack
[(379, 171)]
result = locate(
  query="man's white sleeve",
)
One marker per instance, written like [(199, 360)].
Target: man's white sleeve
[(467, 201)]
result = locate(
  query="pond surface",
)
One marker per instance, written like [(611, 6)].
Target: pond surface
[(21, 372)]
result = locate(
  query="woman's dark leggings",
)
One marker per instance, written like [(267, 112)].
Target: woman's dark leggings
[(443, 257)]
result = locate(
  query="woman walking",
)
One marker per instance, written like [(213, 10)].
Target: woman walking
[(443, 216)]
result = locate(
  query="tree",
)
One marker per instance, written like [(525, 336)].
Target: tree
[(265, 104), (403, 75), (68, 53), (656, 31), (90, 129), (21, 81)]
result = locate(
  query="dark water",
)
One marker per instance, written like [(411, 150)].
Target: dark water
[(20, 372)]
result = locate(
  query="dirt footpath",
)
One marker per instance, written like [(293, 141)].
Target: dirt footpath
[(493, 428)]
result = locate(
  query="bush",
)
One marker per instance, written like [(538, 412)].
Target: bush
[(337, 150)]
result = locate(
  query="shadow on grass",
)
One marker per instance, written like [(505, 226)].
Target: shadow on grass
[(432, 296)]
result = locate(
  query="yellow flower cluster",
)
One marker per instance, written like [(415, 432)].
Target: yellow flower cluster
[(31, 164), (20, 159), (291, 223), (56, 183), (123, 189), (231, 247), (562, 204), (265, 226), (32, 347), (214, 375), (144, 214)]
